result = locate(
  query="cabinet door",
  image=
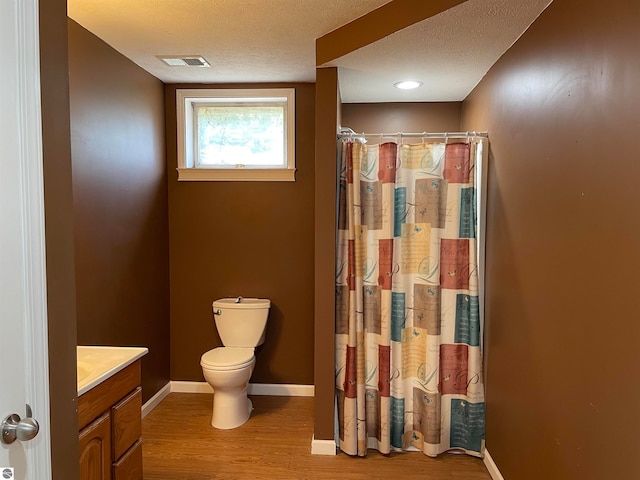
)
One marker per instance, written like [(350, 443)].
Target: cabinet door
[(95, 450)]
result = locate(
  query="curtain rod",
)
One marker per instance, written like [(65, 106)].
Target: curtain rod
[(348, 132)]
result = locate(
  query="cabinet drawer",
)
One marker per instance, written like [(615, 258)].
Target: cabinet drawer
[(129, 467), (126, 423)]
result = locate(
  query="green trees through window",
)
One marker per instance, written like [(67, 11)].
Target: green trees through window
[(238, 135)]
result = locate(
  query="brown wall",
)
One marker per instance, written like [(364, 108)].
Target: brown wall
[(250, 239), (328, 116), (58, 209), (562, 111), (402, 117), (120, 204)]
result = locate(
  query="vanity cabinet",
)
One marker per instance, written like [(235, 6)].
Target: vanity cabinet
[(110, 424)]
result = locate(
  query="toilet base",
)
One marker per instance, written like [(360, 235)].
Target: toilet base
[(230, 411), (231, 407)]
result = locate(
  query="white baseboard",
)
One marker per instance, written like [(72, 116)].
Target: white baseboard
[(491, 466), (154, 401), (275, 389), (190, 387), (281, 389), (323, 447)]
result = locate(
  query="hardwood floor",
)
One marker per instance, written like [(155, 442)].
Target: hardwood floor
[(180, 443)]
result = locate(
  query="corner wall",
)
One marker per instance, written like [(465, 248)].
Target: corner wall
[(562, 111), (120, 204)]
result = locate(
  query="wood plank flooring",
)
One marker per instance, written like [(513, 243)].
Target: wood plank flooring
[(180, 443)]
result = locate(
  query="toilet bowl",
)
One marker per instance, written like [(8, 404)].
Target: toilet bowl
[(241, 324)]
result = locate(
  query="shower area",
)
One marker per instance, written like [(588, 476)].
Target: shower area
[(409, 291)]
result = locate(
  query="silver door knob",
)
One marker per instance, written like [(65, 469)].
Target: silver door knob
[(14, 428)]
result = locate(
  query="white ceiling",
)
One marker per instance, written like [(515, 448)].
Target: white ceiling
[(274, 41)]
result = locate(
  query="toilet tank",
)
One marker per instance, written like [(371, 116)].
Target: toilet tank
[(241, 322)]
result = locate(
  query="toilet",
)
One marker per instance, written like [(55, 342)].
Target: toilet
[(241, 324)]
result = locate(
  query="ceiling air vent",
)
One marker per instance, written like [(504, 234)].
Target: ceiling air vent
[(184, 61)]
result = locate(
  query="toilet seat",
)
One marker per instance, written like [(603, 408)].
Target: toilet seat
[(228, 358)]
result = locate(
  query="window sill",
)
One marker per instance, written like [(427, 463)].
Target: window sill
[(236, 175)]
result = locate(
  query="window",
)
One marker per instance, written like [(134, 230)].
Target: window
[(236, 134)]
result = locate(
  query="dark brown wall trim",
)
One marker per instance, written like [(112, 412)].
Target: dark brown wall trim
[(58, 209), (327, 117), (381, 22)]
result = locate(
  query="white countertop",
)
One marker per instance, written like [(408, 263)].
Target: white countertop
[(96, 364)]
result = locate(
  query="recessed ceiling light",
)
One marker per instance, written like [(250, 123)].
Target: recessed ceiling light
[(407, 84), (184, 61)]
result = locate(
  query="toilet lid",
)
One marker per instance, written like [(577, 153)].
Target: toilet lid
[(225, 357)]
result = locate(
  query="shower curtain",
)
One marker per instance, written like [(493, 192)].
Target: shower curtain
[(408, 341)]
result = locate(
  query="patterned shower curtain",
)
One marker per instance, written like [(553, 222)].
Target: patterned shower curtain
[(408, 339)]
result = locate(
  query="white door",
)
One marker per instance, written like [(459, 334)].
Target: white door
[(23, 344)]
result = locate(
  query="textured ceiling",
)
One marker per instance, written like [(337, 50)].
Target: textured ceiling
[(274, 41), (449, 53), (243, 40)]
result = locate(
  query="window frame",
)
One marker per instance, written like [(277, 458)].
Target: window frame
[(187, 169)]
